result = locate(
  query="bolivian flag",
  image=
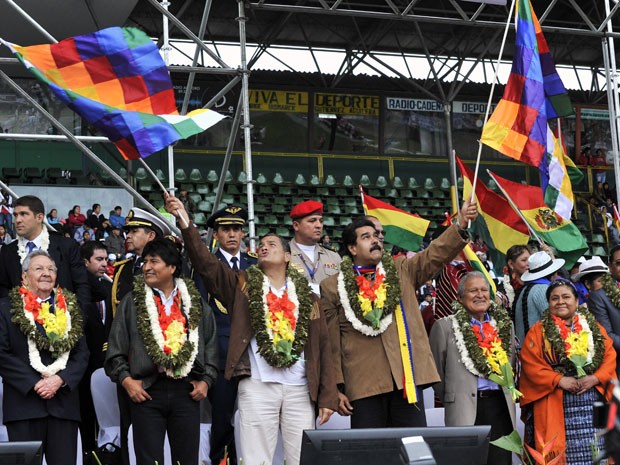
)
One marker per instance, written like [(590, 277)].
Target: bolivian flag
[(562, 234), (401, 228), (497, 223)]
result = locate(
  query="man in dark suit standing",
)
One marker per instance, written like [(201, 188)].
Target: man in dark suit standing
[(41, 401), (227, 225), (98, 321), (32, 234)]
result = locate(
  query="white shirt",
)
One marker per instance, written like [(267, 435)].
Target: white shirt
[(228, 257), (167, 301), (308, 250), (295, 375)]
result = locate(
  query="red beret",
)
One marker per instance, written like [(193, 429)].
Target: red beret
[(303, 209)]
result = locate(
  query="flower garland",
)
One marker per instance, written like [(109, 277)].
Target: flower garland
[(570, 346), (22, 241), (63, 328), (165, 342), (369, 308), (486, 355), (280, 324), (611, 289)]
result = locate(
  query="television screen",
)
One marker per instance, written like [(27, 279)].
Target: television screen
[(20, 453), (465, 445)]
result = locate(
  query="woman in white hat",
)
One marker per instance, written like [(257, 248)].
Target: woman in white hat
[(531, 301)]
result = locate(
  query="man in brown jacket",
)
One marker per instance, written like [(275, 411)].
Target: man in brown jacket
[(379, 344), (278, 347)]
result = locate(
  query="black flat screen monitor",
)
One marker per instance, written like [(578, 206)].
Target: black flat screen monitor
[(462, 445), (20, 453)]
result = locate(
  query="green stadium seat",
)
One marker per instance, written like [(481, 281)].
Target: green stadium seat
[(187, 187), (314, 180), (242, 178), (348, 181), (122, 172), (397, 183), (260, 208), (271, 219), (195, 175), (365, 180), (265, 189), (180, 175), (599, 251), (412, 183), (598, 239), (202, 189), (381, 182), (285, 190), (329, 221), (212, 177), (280, 201), (374, 192), (205, 206), (261, 179), (141, 174), (161, 175), (445, 184), (232, 189), (300, 180), (283, 232), (279, 208), (322, 191), (330, 180), (429, 184), (492, 185), (196, 197), (459, 183), (200, 219), (341, 192), (352, 210), (278, 179), (229, 177), (333, 210), (145, 186)]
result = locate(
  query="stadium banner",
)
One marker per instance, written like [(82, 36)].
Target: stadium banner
[(278, 100), (346, 104)]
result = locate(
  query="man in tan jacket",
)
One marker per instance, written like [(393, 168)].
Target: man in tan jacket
[(380, 348)]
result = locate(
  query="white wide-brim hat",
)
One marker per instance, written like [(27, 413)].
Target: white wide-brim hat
[(541, 265), (594, 265)]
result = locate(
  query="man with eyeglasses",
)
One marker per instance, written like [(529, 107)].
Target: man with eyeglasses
[(41, 401)]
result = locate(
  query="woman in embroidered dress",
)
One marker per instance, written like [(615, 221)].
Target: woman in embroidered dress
[(43, 357), (162, 350), (567, 362)]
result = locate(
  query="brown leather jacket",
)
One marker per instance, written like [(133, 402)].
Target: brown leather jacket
[(229, 287)]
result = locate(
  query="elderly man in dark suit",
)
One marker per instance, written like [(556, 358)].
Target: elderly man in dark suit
[(227, 225), (604, 296), (379, 342), (279, 346), (41, 400), (32, 234)]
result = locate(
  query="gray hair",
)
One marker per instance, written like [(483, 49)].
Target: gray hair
[(467, 277), (31, 255)]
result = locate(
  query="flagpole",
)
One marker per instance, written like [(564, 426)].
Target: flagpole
[(362, 197), (516, 209), (488, 110)]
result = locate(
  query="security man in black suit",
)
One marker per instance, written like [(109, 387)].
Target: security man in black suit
[(97, 324), (32, 234), (141, 227), (227, 225)]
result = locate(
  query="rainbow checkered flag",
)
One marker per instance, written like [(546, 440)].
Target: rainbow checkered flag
[(116, 80), (534, 93)]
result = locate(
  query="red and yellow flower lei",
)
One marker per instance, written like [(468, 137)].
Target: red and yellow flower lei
[(372, 297), (576, 342), (281, 321), (55, 324), (491, 345), (173, 326)]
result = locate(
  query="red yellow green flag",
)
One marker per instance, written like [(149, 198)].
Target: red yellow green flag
[(401, 228)]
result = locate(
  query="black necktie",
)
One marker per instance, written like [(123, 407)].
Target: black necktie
[(234, 261)]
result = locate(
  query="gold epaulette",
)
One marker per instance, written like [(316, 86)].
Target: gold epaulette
[(122, 262)]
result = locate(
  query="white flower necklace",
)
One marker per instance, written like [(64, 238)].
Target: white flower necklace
[(22, 241), (158, 335), (34, 356), (350, 314)]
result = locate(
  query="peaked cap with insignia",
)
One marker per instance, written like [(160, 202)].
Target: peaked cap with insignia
[(231, 215)]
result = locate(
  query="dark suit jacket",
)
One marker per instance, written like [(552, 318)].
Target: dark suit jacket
[(221, 319), (608, 315), (96, 330), (20, 402), (66, 254)]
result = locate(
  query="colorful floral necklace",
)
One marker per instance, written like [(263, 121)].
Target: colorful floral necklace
[(63, 327), (166, 338), (580, 348), (369, 307), (485, 352), (611, 289), (279, 323)]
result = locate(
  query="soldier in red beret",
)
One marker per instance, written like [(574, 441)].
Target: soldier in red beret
[(310, 258)]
